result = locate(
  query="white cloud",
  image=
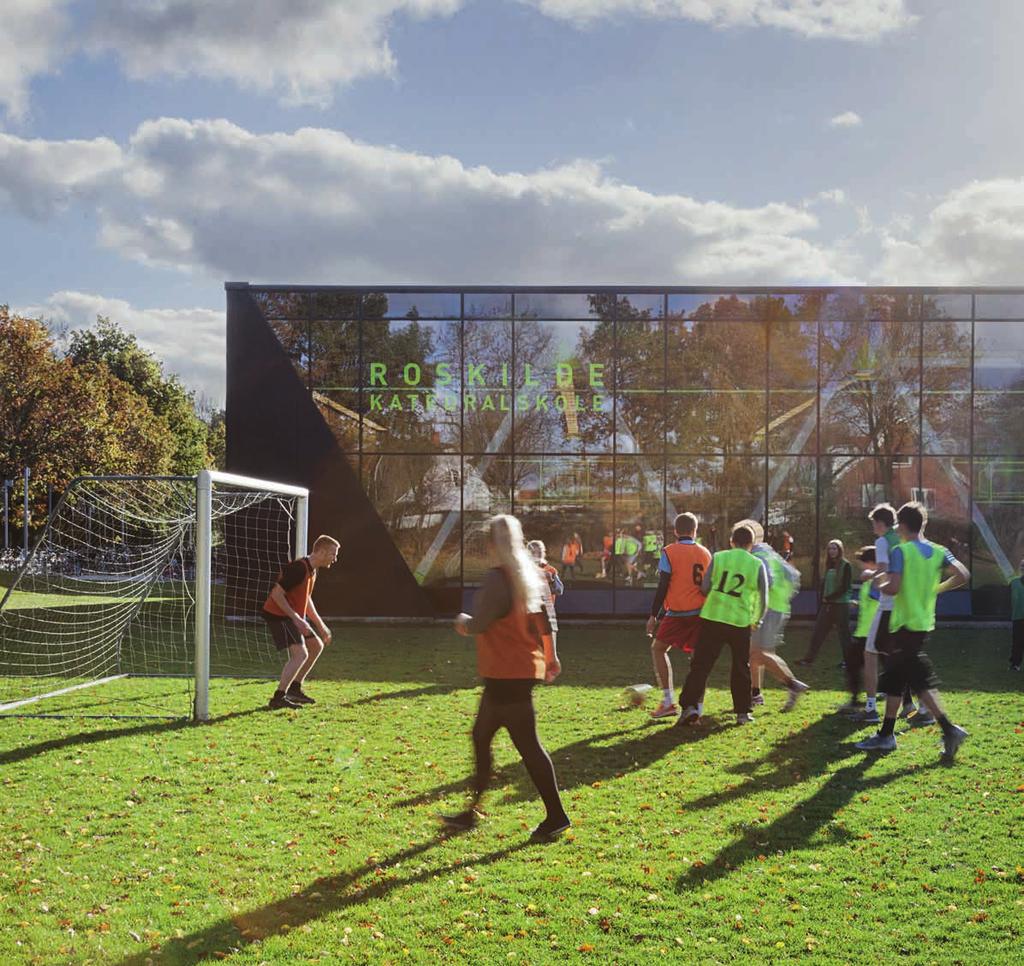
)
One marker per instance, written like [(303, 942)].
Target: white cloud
[(975, 235), (318, 206), (846, 119), (841, 19), (189, 342), (302, 50), (38, 178), (31, 41)]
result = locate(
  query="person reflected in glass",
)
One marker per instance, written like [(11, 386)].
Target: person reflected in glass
[(836, 587)]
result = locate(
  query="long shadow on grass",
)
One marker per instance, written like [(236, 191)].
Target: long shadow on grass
[(795, 828), (580, 763), (320, 898), (420, 692), (112, 734)]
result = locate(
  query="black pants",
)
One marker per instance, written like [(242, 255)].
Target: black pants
[(906, 665), (830, 615), (855, 666), (508, 703), (713, 637), (1017, 650)]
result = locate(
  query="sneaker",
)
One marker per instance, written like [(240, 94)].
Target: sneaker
[(1014, 667), (922, 719), (461, 821), (664, 711), (795, 690), (742, 719), (281, 701), (756, 700), (877, 742), (550, 829), (298, 696), (952, 741), (690, 716), (907, 710), (868, 717), (851, 708)]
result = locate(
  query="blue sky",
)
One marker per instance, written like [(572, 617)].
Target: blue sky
[(151, 149)]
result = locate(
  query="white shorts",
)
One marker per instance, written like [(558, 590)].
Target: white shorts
[(769, 635), (869, 644)]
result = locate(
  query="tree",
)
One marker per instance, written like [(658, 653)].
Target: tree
[(63, 420), (166, 397)]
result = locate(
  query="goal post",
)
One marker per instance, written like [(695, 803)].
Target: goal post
[(205, 483), (148, 586)]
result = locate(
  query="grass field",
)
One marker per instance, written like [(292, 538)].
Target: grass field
[(312, 836)]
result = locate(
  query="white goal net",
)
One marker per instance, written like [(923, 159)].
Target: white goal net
[(148, 586)]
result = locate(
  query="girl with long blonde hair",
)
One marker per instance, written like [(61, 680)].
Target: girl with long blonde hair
[(514, 654)]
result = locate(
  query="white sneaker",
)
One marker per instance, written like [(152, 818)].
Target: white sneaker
[(951, 742), (877, 742), (795, 690), (742, 719), (757, 700), (690, 716)]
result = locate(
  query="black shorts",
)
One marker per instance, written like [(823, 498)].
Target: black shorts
[(283, 631), (907, 664)]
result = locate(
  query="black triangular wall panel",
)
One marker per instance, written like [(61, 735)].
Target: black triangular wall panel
[(275, 432)]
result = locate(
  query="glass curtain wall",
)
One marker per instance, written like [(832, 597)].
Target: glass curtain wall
[(597, 416)]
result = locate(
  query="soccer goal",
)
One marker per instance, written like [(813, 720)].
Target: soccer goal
[(143, 588)]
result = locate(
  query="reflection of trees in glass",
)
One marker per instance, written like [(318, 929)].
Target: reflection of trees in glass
[(720, 490), (418, 498)]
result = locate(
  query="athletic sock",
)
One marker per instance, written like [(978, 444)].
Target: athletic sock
[(869, 704), (667, 696), (888, 726)]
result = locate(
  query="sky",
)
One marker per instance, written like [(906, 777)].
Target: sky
[(151, 150)]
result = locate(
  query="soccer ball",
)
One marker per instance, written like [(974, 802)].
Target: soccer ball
[(635, 695)]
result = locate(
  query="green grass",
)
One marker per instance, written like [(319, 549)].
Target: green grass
[(312, 836)]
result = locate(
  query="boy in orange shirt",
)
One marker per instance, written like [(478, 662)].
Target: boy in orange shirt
[(675, 612)]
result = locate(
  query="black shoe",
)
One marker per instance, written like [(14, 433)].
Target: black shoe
[(281, 701), (463, 821), (550, 828), (298, 696)]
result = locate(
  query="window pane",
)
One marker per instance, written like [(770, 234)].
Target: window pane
[(849, 486), (999, 388), (710, 305), (411, 384), (335, 305), (793, 421), (639, 532), (998, 538), (562, 387), (487, 386), (870, 387), (419, 500), (293, 334), (334, 355), (486, 490), (793, 360), (282, 305), (558, 497), (414, 305), (716, 421), (720, 490), (792, 496), (1009, 306), (560, 305), (484, 305), (945, 492), (946, 306), (715, 354), (646, 304)]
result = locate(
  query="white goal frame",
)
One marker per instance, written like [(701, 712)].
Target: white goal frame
[(205, 482)]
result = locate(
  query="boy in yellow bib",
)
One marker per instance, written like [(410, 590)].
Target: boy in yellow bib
[(736, 589), (914, 578)]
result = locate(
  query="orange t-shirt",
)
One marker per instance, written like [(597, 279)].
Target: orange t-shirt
[(688, 562), (296, 580)]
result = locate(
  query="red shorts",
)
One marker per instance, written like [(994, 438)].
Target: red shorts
[(681, 632)]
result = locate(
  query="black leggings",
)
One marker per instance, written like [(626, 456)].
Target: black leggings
[(831, 615), (509, 704)]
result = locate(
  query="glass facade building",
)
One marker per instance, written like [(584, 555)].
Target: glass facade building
[(599, 414)]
